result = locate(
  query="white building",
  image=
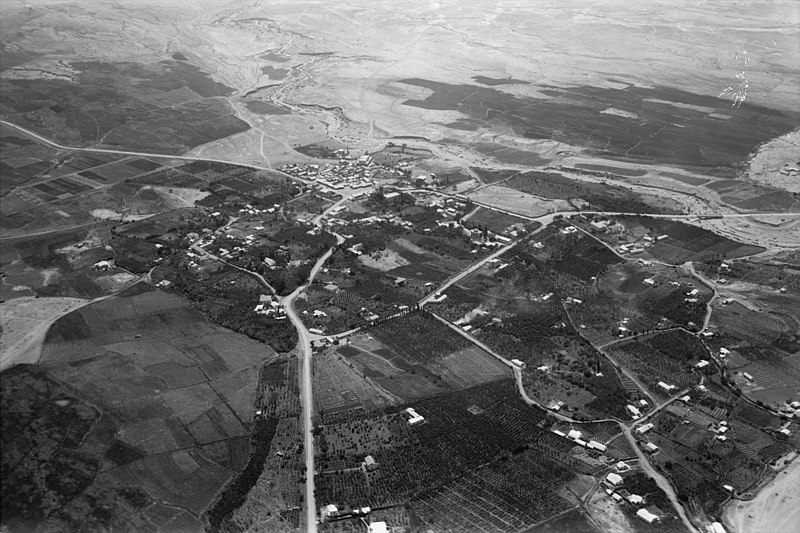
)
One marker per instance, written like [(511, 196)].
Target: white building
[(415, 418), (594, 445), (378, 527), (647, 516)]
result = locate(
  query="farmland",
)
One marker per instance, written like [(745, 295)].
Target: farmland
[(515, 306), (62, 264), (143, 413), (648, 138), (494, 221), (754, 320), (667, 357), (631, 298), (411, 357), (22, 160), (701, 454), (683, 242), (171, 406), (477, 442), (174, 110), (601, 197)]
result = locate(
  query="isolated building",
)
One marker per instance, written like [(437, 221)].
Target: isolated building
[(369, 463), (666, 387), (615, 480), (635, 413), (647, 516), (414, 417), (594, 445), (378, 527), (328, 511)]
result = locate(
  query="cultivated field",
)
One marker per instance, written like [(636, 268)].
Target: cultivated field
[(166, 386)]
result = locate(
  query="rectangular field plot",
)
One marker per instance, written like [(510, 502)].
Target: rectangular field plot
[(86, 160), (500, 497), (420, 338), (494, 221), (169, 177), (114, 172), (471, 366), (338, 387), (393, 373), (175, 480)]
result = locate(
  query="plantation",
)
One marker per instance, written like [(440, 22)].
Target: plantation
[(474, 441), (686, 242), (652, 365)]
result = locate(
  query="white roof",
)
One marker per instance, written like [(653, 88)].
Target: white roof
[(378, 527), (614, 479), (646, 515)]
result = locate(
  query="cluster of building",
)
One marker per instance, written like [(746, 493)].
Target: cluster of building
[(270, 306), (614, 488), (351, 172), (791, 409), (448, 210), (254, 211), (635, 411), (576, 436), (634, 246)]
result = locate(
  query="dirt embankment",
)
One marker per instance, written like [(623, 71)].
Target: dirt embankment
[(775, 509), (25, 322)]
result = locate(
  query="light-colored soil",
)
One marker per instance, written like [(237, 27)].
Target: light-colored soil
[(786, 235), (607, 514), (109, 214), (181, 197), (386, 260), (25, 322), (517, 202), (773, 157), (776, 509)]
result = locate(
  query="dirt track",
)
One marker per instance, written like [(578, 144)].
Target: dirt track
[(776, 509)]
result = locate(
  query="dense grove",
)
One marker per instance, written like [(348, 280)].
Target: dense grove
[(235, 493)]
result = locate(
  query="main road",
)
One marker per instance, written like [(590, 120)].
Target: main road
[(306, 381)]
